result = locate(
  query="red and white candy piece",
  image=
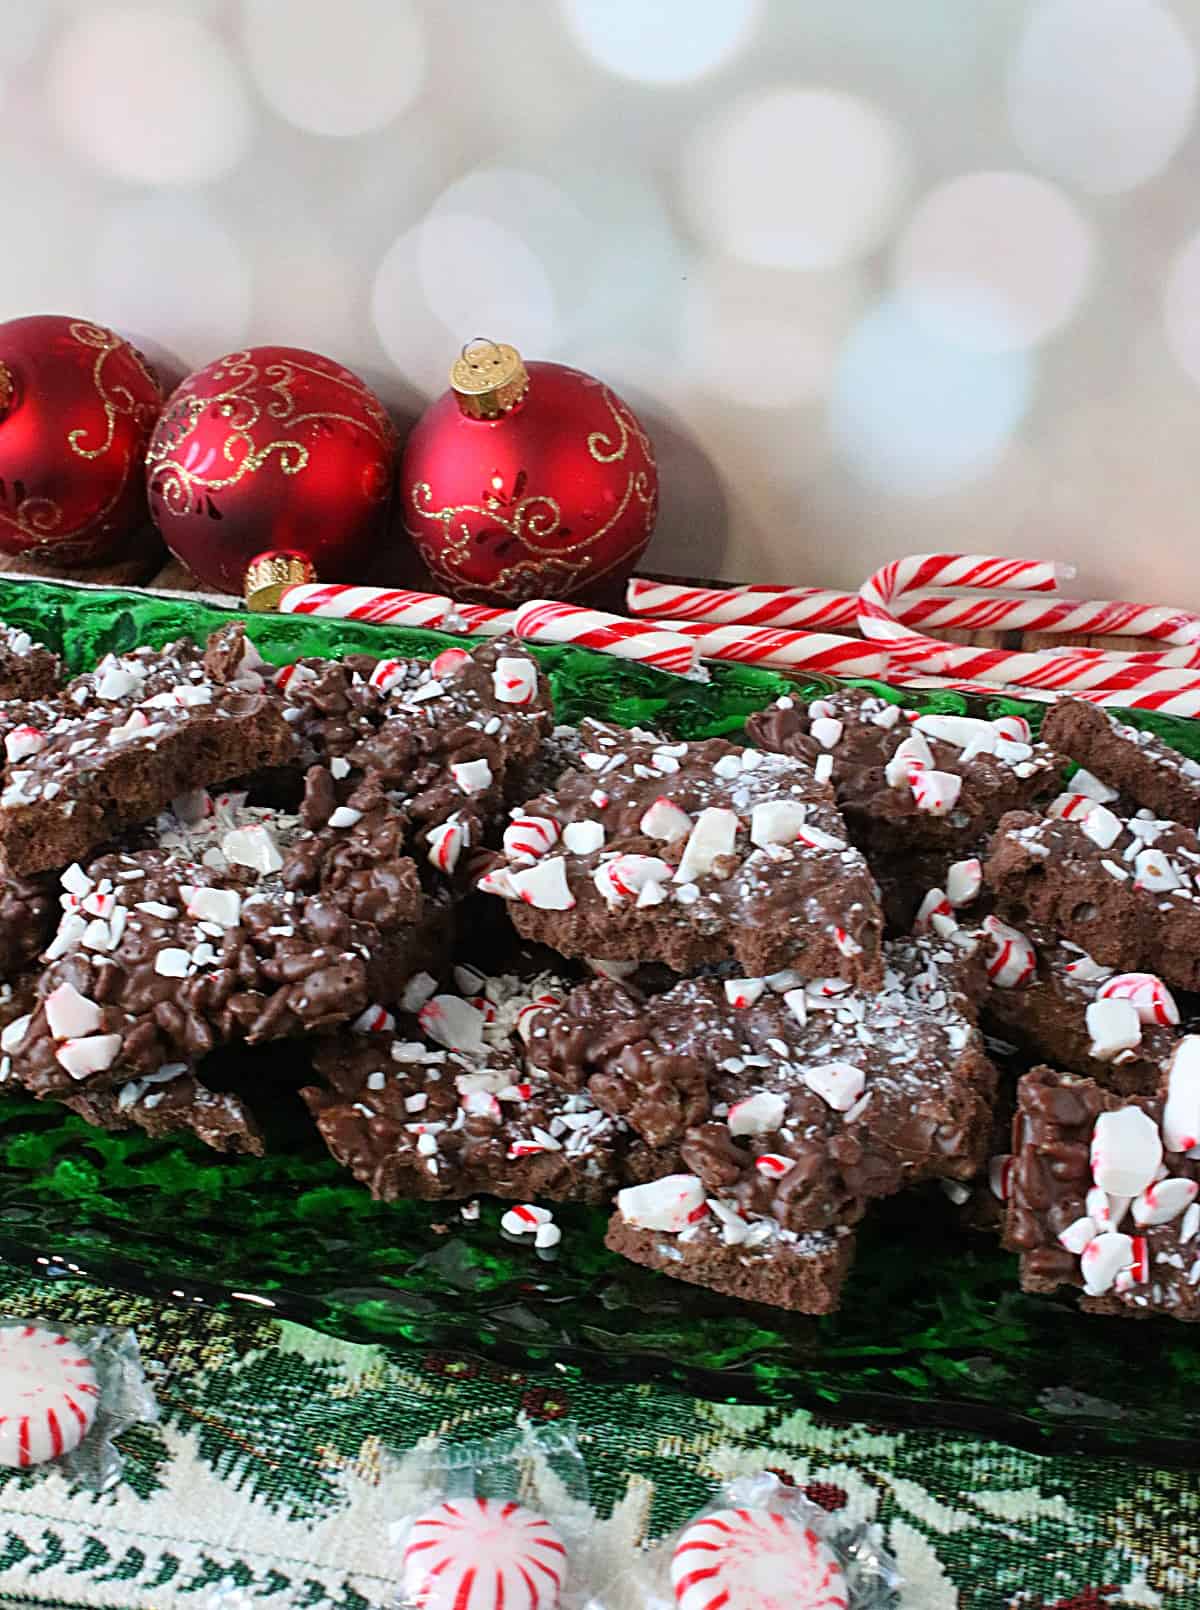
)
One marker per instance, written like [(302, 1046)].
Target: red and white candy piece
[(776, 821), (583, 838), (669, 1204), (1126, 1151), (1013, 728), (627, 877), (1102, 827), (544, 885), (544, 621), (375, 1020), (1163, 1201), (911, 755), (773, 1166), (748, 1559), (964, 881), (936, 791), (1155, 871), (22, 742), (1181, 1113), (526, 1218), (472, 776), (387, 675), (48, 1395), (1071, 807), (483, 1554), (1149, 996), (1013, 961), (530, 837), (935, 903), (449, 661), (1103, 1259), (743, 992), (839, 1084), (446, 843), (452, 1022), (666, 821), (340, 601), (760, 1114), (1086, 970), (69, 1015), (514, 681)]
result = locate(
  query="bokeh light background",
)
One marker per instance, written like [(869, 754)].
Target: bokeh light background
[(880, 276)]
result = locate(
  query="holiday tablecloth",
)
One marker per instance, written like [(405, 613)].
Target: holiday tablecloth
[(276, 1467)]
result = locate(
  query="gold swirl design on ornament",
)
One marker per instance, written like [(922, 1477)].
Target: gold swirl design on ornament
[(115, 399), (606, 449)]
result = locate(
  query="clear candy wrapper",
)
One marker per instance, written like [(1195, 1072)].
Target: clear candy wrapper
[(66, 1395), (762, 1546), (500, 1525)]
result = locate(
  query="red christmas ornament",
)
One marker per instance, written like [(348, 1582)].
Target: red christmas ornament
[(77, 405), (274, 447), (527, 481)]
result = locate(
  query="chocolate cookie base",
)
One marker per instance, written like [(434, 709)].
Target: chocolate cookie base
[(1138, 764)]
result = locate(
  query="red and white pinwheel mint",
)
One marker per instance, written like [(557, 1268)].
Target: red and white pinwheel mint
[(483, 1554), (48, 1395), (747, 1559)]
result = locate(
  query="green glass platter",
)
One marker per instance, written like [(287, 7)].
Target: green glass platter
[(934, 1330)]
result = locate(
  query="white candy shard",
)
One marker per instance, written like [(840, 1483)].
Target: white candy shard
[(1086, 970), (445, 844), (827, 731), (669, 1204), (514, 681), (472, 776), (961, 731), (345, 816), (741, 992), (713, 836), (544, 885), (1181, 1114), (1126, 1151), (453, 1022), (666, 821), (1102, 827), (964, 881), (935, 903), (253, 847), (76, 881), (222, 906), (1157, 872), (70, 1015), (1077, 1234), (13, 1033), (1013, 728), (936, 791), (1114, 1026), (838, 1083), (1103, 1259), (530, 837), (583, 838), (1147, 993), (1085, 782), (776, 821), (760, 1114), (173, 962), (627, 876), (22, 742), (1163, 1201), (90, 1055)]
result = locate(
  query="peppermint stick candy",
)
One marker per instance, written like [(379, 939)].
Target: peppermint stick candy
[(480, 620), (1068, 669), (794, 606), (545, 621), (784, 651), (393, 606)]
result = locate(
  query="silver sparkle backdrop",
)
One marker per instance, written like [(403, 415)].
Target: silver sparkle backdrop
[(882, 275)]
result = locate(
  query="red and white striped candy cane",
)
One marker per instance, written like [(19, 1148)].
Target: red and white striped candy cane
[(545, 621), (480, 620), (394, 606), (1066, 669), (784, 651), (795, 607), (1102, 618)]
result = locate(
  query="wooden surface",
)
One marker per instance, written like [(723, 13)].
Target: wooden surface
[(159, 569)]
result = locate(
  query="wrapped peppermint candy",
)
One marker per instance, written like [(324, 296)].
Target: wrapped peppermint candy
[(66, 1395), (763, 1546), (500, 1525)]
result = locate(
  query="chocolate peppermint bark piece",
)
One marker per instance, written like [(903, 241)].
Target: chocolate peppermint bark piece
[(930, 781), (440, 1105), (1124, 889), (28, 669), (172, 1103), (1122, 760), (164, 953), (1103, 1191), (796, 1101), (672, 1225), (105, 764), (1119, 1029), (691, 854)]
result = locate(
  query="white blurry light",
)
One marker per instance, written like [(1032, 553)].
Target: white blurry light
[(763, 338), (996, 260), (165, 267), (50, 205), (479, 277), (1181, 308), (338, 68), (1101, 92), (796, 178), (915, 414), (661, 41), (24, 27), (148, 96)]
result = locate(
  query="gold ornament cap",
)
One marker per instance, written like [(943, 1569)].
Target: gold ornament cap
[(8, 389), (269, 575), (489, 379)]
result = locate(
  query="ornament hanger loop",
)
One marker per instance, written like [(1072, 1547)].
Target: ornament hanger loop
[(488, 378)]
